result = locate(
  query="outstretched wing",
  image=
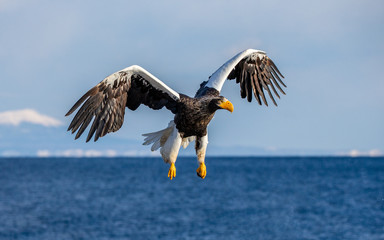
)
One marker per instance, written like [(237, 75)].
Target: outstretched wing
[(105, 103), (256, 73)]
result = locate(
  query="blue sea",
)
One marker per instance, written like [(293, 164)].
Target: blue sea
[(241, 198)]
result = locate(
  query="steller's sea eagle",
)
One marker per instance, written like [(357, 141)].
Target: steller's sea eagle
[(105, 103)]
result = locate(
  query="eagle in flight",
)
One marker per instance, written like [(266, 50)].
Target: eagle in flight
[(106, 102)]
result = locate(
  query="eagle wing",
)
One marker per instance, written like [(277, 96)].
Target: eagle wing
[(256, 73), (105, 103)]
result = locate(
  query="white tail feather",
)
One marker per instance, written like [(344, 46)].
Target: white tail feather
[(158, 138), (169, 142), (156, 146)]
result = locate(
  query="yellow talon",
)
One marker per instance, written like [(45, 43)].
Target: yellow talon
[(172, 171), (202, 171)]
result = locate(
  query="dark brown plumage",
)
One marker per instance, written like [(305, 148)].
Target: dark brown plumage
[(194, 114)]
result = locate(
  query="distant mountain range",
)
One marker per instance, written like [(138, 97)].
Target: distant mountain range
[(36, 140)]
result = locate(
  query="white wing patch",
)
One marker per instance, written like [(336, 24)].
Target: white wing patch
[(218, 78), (154, 81)]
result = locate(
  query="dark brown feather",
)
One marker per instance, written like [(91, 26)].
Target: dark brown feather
[(248, 85), (270, 62), (255, 92), (105, 104), (256, 74), (242, 81), (91, 92), (259, 89), (273, 88)]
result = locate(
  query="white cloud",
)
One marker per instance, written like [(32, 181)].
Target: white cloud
[(110, 153), (89, 153), (10, 153), (370, 153), (78, 153), (375, 153), (43, 153), (93, 153), (70, 153), (354, 153), (142, 153), (17, 117), (130, 153)]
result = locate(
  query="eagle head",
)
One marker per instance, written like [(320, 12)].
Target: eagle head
[(221, 103)]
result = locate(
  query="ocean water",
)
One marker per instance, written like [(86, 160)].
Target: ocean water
[(241, 198)]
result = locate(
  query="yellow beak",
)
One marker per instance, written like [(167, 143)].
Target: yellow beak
[(227, 105)]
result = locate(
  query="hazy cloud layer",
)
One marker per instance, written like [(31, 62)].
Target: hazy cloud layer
[(370, 153), (93, 153), (77, 153), (17, 117)]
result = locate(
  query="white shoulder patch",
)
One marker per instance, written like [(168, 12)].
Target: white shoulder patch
[(154, 81), (218, 78)]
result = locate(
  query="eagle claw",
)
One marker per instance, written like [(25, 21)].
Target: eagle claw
[(172, 171), (202, 171)]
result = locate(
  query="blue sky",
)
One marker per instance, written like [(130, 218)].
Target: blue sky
[(331, 53)]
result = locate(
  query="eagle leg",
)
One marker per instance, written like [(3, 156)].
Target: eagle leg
[(201, 147), (202, 170), (172, 171)]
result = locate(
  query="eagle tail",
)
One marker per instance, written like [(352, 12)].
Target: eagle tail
[(168, 140), (158, 138)]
